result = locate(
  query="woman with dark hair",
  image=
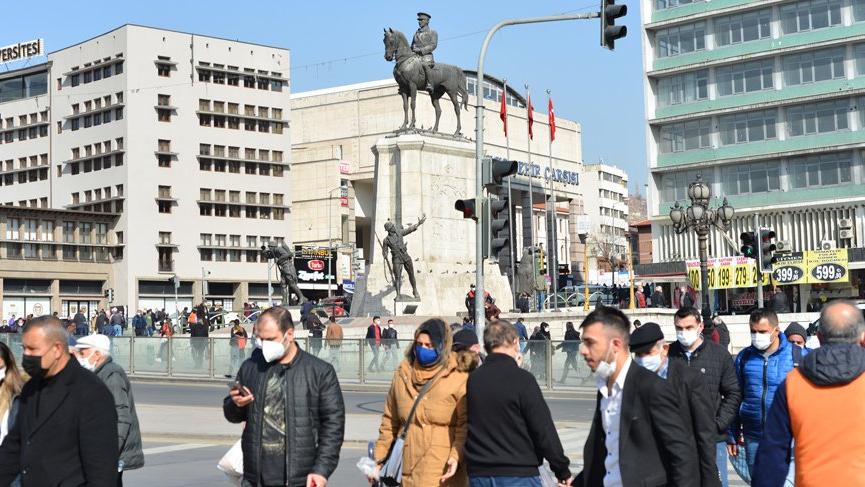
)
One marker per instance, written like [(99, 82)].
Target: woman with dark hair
[(11, 382), (435, 435)]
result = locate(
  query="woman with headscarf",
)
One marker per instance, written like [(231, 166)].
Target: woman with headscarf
[(432, 453), (538, 342)]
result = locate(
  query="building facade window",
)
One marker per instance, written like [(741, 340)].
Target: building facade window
[(812, 67), (745, 179), (680, 40), (810, 15), (744, 77), (736, 29), (684, 136), (821, 170), (683, 88), (665, 4), (748, 127), (816, 118)]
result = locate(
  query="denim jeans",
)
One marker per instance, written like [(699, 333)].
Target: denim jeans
[(505, 481), (721, 460), (751, 447), (542, 296)]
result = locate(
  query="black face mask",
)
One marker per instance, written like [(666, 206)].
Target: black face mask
[(32, 364)]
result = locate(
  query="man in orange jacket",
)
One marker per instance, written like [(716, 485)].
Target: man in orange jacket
[(828, 450)]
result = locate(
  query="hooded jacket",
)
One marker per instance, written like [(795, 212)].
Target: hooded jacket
[(128, 433), (824, 417), (759, 379)]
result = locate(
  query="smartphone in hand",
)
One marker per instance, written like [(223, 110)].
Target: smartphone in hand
[(237, 386)]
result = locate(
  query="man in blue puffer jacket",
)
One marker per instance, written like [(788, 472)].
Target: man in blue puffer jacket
[(760, 368)]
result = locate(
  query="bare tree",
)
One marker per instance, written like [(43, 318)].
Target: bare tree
[(607, 247)]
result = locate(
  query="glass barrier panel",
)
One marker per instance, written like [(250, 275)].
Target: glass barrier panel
[(151, 355), (189, 356)]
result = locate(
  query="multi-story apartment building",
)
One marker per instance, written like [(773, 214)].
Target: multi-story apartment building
[(607, 187), (766, 101), (182, 138)]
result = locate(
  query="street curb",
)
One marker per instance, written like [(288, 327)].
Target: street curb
[(228, 440)]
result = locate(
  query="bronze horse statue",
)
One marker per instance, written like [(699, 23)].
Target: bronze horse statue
[(409, 75)]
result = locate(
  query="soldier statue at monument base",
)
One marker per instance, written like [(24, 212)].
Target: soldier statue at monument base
[(401, 260)]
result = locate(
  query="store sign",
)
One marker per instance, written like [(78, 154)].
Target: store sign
[(343, 202), (558, 175), (726, 273), (21, 50), (826, 266), (315, 265), (344, 167), (790, 269)]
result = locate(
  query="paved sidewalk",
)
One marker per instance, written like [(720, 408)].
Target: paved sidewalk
[(207, 425)]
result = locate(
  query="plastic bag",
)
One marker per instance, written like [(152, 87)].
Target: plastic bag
[(232, 464), (548, 478), (366, 465)]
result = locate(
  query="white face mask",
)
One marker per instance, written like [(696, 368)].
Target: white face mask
[(651, 362), (761, 341), (2, 373), (270, 349), (605, 369), (687, 337), (86, 364)]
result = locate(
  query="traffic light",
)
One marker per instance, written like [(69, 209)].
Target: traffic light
[(468, 207), (500, 228), (174, 281), (609, 30), (109, 293), (495, 170), (767, 249), (749, 244), (541, 257)]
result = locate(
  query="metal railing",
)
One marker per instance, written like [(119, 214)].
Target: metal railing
[(355, 360)]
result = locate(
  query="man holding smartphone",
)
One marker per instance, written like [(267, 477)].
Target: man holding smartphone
[(292, 405)]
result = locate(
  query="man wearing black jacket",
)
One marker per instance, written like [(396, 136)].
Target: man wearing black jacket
[(696, 408), (719, 375), (292, 405), (66, 428), (510, 429), (637, 436)]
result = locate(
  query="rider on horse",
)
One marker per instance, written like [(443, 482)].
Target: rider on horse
[(424, 43)]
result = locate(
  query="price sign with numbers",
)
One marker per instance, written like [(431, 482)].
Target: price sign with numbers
[(828, 266), (724, 272), (790, 269)]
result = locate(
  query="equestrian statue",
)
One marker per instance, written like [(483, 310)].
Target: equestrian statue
[(416, 69)]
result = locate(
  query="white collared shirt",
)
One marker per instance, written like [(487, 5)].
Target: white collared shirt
[(611, 410)]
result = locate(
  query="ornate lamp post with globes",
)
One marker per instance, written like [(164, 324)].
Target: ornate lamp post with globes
[(699, 217)]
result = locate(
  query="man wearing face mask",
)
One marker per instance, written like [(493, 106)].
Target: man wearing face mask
[(760, 368), (501, 393), (715, 364), (94, 354), (637, 436), (695, 406), (292, 405), (66, 431)]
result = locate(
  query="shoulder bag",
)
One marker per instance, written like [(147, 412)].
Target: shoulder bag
[(391, 469)]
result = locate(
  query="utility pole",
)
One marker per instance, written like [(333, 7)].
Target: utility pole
[(479, 150)]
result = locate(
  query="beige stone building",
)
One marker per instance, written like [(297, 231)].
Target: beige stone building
[(334, 130)]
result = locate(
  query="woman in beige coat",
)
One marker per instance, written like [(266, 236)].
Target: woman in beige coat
[(432, 454)]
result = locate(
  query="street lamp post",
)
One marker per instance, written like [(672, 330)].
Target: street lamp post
[(330, 240), (699, 217)]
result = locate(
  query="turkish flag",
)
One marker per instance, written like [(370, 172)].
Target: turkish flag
[(552, 115), (503, 114), (531, 114)]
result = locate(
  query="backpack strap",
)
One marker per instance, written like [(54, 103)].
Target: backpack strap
[(426, 387)]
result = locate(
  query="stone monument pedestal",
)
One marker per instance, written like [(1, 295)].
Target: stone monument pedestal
[(424, 174)]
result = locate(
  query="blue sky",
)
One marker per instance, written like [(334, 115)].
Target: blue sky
[(335, 43)]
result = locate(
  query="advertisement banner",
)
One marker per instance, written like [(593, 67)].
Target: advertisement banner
[(725, 273), (316, 266), (825, 266), (790, 269)]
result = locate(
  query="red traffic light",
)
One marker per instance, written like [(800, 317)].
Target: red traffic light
[(467, 207)]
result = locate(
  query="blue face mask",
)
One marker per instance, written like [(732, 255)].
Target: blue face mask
[(425, 356)]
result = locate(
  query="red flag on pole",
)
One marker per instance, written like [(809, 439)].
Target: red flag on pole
[(531, 114), (503, 114), (552, 115)]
